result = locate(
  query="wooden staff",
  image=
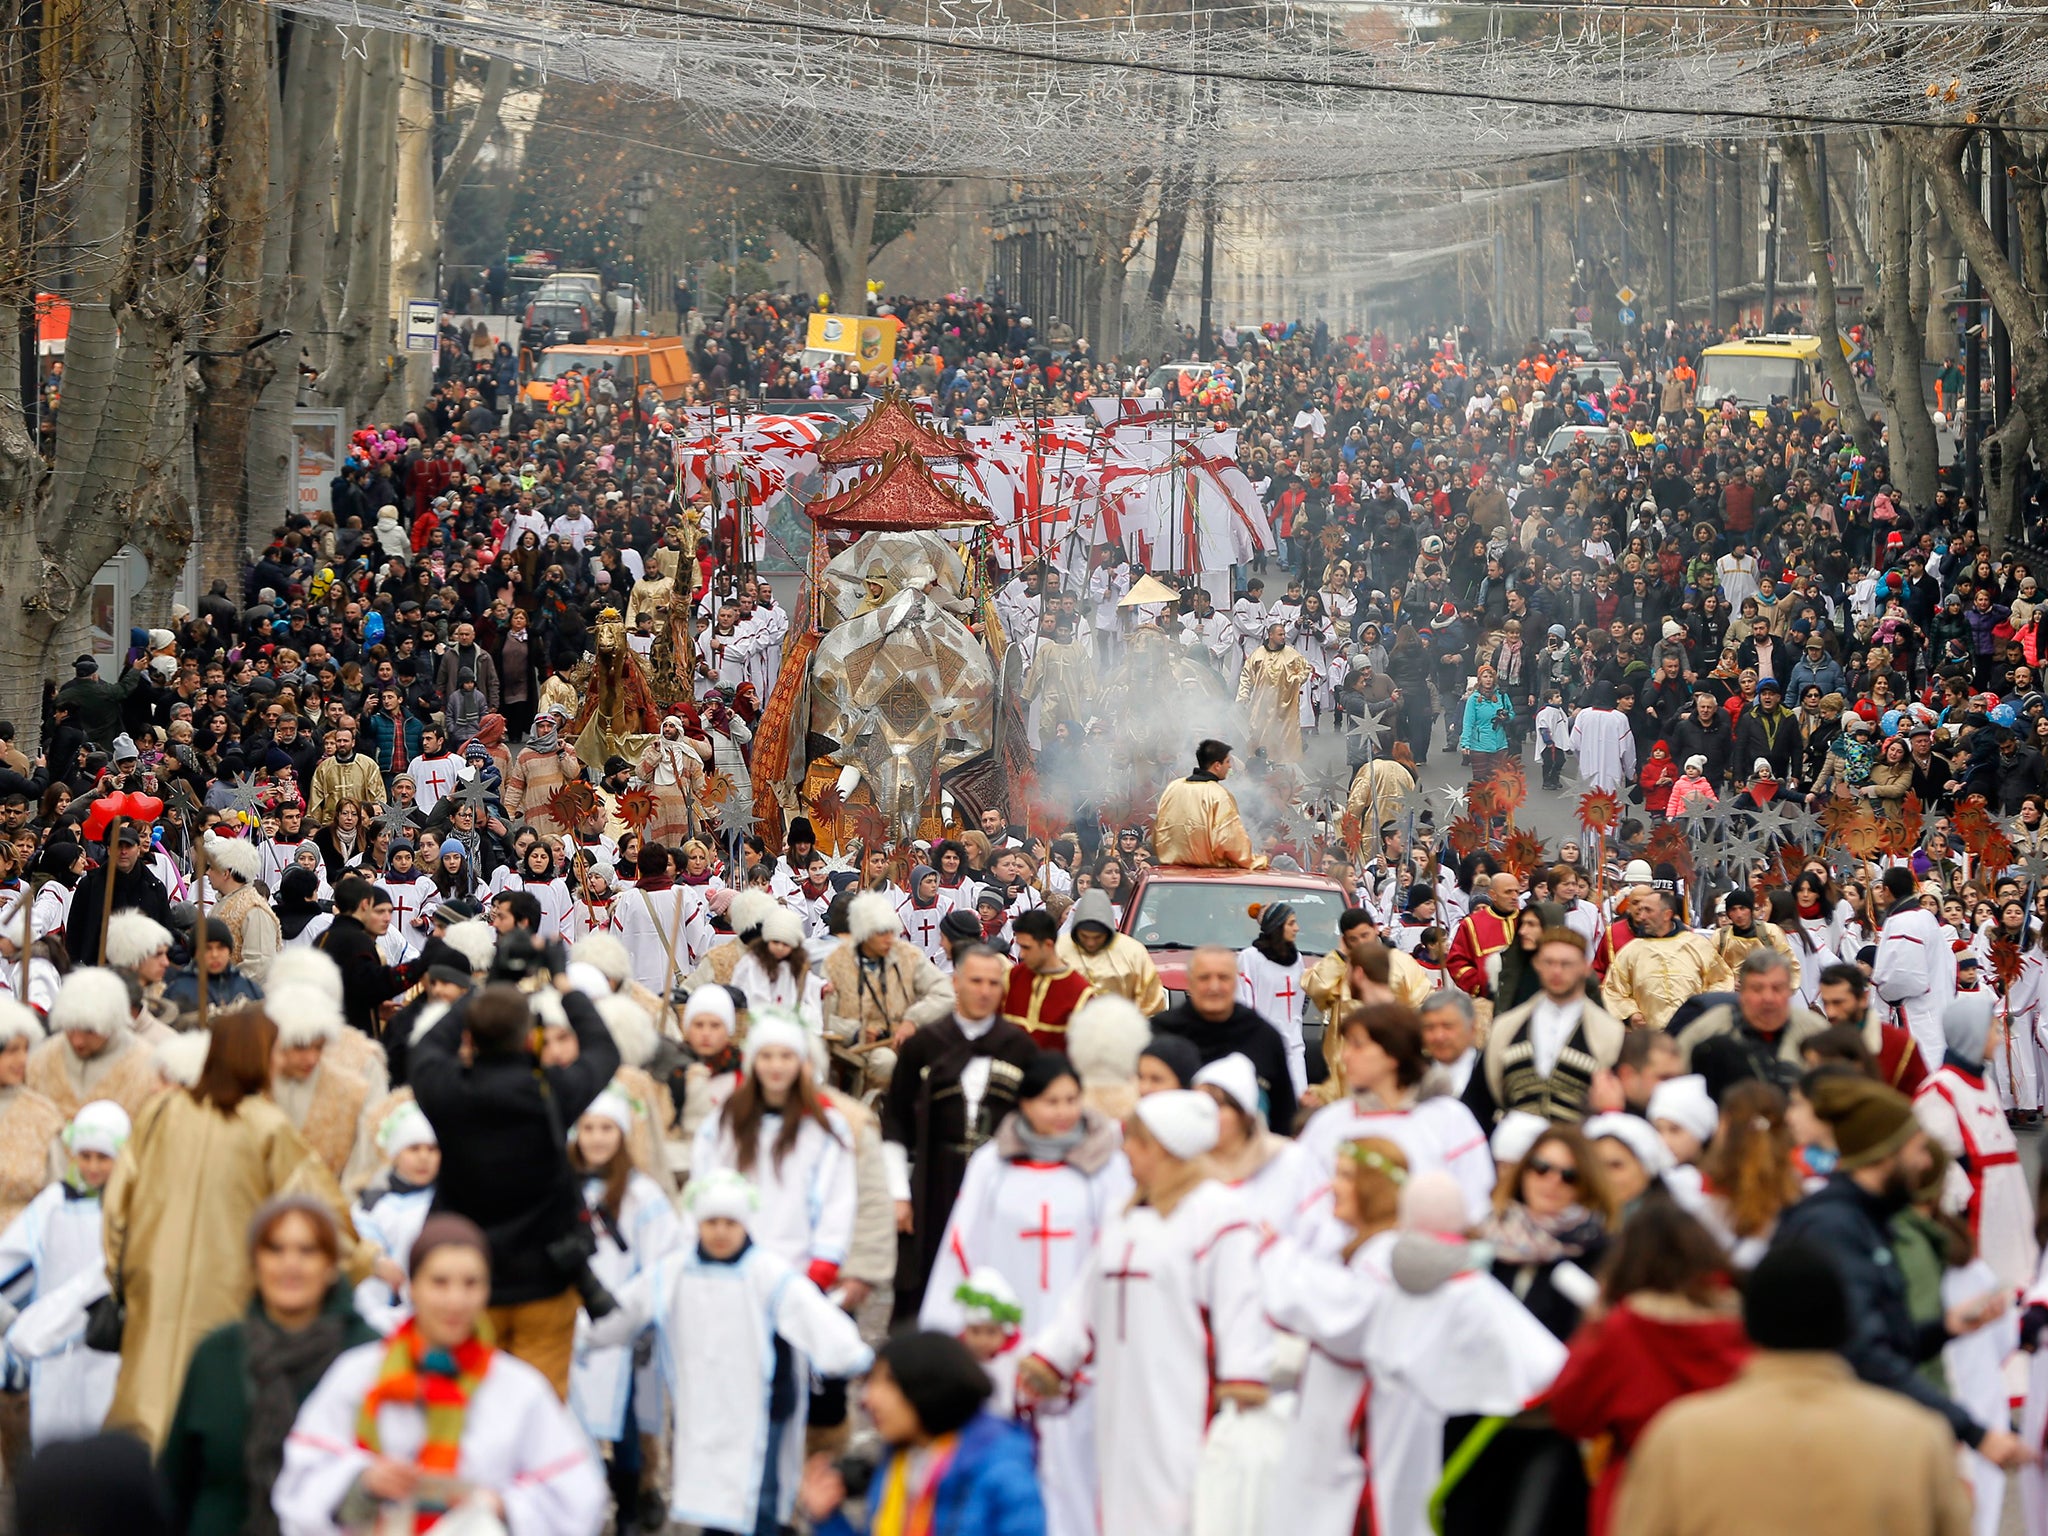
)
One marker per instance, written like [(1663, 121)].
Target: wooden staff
[(199, 927), (28, 933)]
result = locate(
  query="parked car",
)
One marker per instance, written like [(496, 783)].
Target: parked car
[(552, 322), (1578, 338), (1587, 440)]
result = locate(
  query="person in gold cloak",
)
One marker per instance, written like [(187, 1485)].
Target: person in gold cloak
[(1197, 822)]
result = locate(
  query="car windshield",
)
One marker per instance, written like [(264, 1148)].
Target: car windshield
[(557, 313), (554, 364), (1184, 914), (1746, 380), (1569, 440)]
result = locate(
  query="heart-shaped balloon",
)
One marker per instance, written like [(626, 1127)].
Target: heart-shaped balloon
[(144, 808), (101, 817)]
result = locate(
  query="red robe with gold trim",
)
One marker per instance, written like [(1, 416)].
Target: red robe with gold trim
[(1041, 1004), (1612, 943), (1485, 932)]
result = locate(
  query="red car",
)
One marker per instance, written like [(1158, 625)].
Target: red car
[(1176, 908)]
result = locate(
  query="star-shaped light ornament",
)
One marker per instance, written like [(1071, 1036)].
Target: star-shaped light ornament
[(470, 790), (1802, 827), (246, 797), (395, 819), (1699, 818), (732, 816), (1368, 726)]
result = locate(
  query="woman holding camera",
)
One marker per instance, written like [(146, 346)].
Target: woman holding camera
[(1486, 738)]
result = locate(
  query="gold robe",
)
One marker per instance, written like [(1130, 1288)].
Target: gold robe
[(1734, 948), (1327, 984), (1198, 824), (1123, 967), (1062, 678), (176, 1230), (29, 1124), (1379, 794), (1270, 688), (1654, 976), (326, 1109)]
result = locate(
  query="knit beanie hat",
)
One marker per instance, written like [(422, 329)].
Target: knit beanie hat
[(1870, 1121), (1795, 1298)]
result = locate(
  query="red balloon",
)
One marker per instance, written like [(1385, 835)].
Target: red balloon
[(144, 808), (99, 818)]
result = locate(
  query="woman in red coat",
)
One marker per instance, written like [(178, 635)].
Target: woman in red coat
[(1668, 1323)]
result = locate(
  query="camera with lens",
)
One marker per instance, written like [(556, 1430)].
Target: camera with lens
[(528, 961), (571, 1254), (857, 1470)]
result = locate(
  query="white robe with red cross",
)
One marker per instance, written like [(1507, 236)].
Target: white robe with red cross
[(1273, 992), (1036, 1225), (1986, 1183), (1168, 1309)]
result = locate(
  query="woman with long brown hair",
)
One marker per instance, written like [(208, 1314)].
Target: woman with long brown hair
[(177, 1211), (1750, 1177), (1552, 1212), (797, 1150)]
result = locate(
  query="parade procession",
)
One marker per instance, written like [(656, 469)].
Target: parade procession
[(840, 771)]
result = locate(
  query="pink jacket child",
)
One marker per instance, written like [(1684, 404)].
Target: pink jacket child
[(1690, 786)]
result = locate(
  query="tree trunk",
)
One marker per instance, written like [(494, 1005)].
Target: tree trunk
[(316, 70), (2019, 310), (233, 369), (848, 202), (415, 235), (271, 472), (475, 134), (351, 86), (1826, 321), (1914, 455), (363, 327)]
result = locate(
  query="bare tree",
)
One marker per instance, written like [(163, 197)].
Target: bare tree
[(1914, 463), (1826, 320)]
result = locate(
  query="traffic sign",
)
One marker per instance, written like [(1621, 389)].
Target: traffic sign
[(1626, 294), (1627, 316), (422, 325)]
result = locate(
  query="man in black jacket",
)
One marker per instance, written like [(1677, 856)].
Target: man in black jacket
[(1216, 1024), (362, 913), (502, 1123), (1885, 1157), (136, 888), (1706, 732)]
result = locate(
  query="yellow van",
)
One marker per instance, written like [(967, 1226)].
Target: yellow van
[(636, 361), (1751, 373)]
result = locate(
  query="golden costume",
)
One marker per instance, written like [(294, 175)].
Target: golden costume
[(325, 1108), (1198, 824), (1733, 948), (1327, 984), (1653, 976), (1379, 793), (1122, 967), (1063, 680), (176, 1230), (1270, 687)]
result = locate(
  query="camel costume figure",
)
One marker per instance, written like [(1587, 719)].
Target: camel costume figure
[(138, 946), (672, 770), (92, 1052), (617, 708), (1105, 1037), (603, 953), (243, 908)]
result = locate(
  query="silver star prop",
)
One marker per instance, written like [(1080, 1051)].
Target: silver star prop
[(1844, 863), (1326, 772), (1448, 802), (1803, 827), (2035, 867), (1741, 851), (394, 818), (245, 795), (470, 790), (732, 815), (1769, 824), (1367, 727), (1700, 821)]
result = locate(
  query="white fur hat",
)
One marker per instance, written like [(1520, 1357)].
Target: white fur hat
[(132, 937), (92, 998), (236, 855), (606, 954), (1686, 1102), (614, 1106), (588, 979), (722, 1192), (304, 1015), (18, 1022), (713, 1000), (747, 910), (1432, 1202), (871, 913), (783, 926), (772, 1026), (1638, 873), (101, 1126), (475, 940), (301, 965), (1236, 1077), (406, 1126), (1515, 1135), (1182, 1121), (1105, 1038), (1633, 1132), (182, 1058), (631, 1029)]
